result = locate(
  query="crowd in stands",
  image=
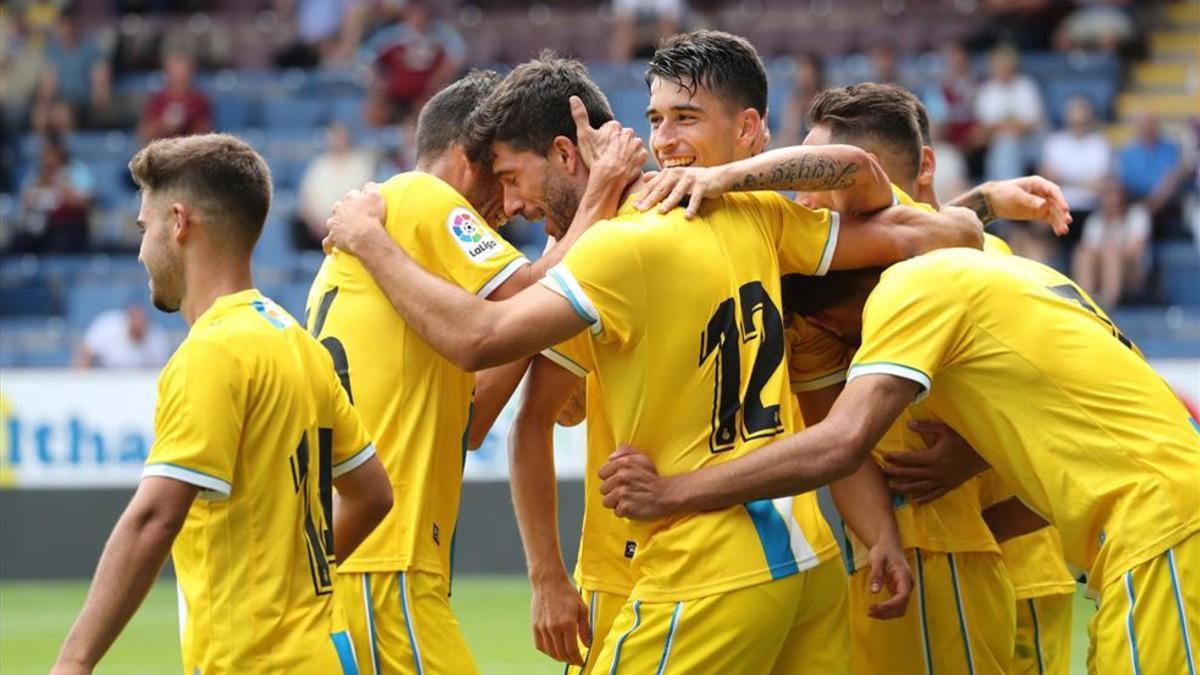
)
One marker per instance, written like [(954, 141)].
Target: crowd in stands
[(1018, 86)]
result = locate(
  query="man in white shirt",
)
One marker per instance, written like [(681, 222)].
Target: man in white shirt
[(1009, 108), (123, 338)]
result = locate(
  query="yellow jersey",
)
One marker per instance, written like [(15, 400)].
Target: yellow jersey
[(1034, 561), (415, 403), (1042, 384), (249, 410), (686, 346)]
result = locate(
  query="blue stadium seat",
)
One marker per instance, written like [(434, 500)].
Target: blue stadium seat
[(1100, 91), (294, 114), (629, 106), (85, 301), (1179, 265), (231, 111), (112, 186)]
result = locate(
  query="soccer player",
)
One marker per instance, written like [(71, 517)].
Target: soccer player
[(646, 286), (252, 435), (708, 97), (419, 406), (1021, 363)]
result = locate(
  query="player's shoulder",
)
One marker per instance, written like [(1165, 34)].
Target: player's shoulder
[(937, 271), (418, 190)]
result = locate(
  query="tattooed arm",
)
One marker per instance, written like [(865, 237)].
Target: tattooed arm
[(860, 183)]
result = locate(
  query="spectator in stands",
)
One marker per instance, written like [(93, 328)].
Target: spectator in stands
[(952, 105), (1097, 24), (1110, 261), (809, 81), (22, 59), (1079, 159), (641, 24), (1152, 170), (123, 338), (413, 59), (179, 109), (885, 64), (327, 31), (1009, 108), (333, 173), (952, 177), (1027, 24), (55, 204), (77, 78)]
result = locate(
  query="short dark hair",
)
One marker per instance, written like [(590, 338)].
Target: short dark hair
[(219, 174), (884, 113), (804, 295), (443, 120), (530, 107), (722, 63)]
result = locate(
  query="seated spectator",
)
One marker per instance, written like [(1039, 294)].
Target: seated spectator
[(22, 59), (123, 338), (885, 65), (1079, 159), (951, 178), (327, 31), (808, 82), (1009, 109), (1110, 262), (1027, 24), (333, 173), (641, 25), (55, 204), (1105, 25), (77, 79), (413, 60), (179, 109), (1152, 170), (952, 105)]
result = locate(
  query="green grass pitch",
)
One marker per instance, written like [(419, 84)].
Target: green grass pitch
[(493, 610)]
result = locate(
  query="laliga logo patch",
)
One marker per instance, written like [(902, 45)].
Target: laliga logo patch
[(476, 241)]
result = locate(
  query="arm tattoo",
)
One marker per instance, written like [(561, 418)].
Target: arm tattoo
[(978, 202), (811, 173)]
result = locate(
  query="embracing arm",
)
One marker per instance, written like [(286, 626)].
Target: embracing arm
[(901, 232), (827, 451), (130, 563)]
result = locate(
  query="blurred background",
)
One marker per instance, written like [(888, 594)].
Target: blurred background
[(1102, 96)]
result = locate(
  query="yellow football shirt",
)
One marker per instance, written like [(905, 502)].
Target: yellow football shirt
[(687, 349), (1034, 561), (415, 403), (1043, 385), (249, 410)]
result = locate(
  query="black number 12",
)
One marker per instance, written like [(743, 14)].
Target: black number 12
[(720, 338)]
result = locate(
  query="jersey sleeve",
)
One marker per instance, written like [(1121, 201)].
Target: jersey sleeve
[(992, 489), (352, 446), (805, 239), (912, 325), (574, 355), (602, 279), (816, 359), (428, 217), (198, 420)]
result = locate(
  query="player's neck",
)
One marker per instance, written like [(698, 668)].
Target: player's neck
[(205, 283)]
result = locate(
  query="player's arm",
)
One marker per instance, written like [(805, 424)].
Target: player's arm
[(831, 449), (471, 332), (1011, 518), (900, 232), (131, 561), (864, 501), (1027, 198), (558, 613), (364, 497), (947, 462)]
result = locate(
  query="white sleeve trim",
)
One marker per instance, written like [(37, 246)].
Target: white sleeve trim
[(564, 362), (502, 276), (829, 380), (858, 370), (214, 489), (835, 220), (354, 462), (560, 280)]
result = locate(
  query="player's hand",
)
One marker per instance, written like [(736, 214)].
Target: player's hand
[(670, 186), (574, 410), (947, 462), (612, 153), (1029, 198), (889, 568), (559, 617), (357, 220), (61, 668), (631, 485)]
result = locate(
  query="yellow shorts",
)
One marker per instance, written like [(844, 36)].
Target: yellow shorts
[(400, 622), (795, 625), (1149, 619), (1043, 635), (603, 609), (959, 619)]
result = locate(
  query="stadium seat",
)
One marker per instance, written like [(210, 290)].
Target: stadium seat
[(1179, 265), (294, 114), (1099, 91), (230, 112)]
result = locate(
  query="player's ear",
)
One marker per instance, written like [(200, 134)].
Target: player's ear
[(564, 152), (926, 170), (750, 129), (180, 222)]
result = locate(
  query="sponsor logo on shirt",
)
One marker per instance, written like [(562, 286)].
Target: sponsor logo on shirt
[(475, 239), (630, 548)]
